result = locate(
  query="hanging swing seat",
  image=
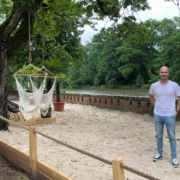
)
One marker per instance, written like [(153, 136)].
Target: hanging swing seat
[(16, 116), (34, 103)]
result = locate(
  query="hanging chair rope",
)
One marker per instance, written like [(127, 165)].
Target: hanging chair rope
[(43, 69), (43, 40), (35, 101), (29, 41)]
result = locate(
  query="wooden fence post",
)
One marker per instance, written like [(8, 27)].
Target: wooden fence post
[(33, 152), (118, 172)]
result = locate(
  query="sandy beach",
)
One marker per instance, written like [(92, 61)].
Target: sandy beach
[(105, 133)]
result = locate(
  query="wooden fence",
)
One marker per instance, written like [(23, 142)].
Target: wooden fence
[(30, 164), (40, 171)]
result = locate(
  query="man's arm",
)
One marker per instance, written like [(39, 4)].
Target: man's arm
[(151, 98), (178, 104)]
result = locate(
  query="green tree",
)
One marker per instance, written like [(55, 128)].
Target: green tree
[(139, 80), (107, 71), (14, 26), (113, 60), (168, 49), (74, 77)]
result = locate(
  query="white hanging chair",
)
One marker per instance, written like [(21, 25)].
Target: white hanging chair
[(35, 102)]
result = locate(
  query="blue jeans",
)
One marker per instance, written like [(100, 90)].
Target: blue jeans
[(170, 123)]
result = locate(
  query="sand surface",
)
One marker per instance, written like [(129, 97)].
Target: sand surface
[(105, 133)]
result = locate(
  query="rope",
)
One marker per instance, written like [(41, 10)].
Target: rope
[(87, 153), (5, 119), (138, 172), (74, 148), (43, 43), (29, 35), (45, 71), (97, 157)]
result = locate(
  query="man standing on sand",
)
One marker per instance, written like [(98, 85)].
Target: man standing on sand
[(162, 95)]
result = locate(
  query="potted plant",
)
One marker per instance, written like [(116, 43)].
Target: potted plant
[(58, 103), (56, 67)]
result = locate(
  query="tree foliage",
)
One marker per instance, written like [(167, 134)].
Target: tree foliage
[(133, 58), (51, 19)]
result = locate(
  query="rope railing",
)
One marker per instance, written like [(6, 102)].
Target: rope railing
[(142, 174), (74, 148), (98, 158), (118, 175), (9, 121)]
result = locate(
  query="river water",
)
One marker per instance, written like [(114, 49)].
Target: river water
[(110, 92)]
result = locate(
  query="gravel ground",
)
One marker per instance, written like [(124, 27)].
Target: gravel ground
[(9, 171)]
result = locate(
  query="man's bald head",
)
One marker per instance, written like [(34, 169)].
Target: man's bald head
[(164, 73), (164, 68)]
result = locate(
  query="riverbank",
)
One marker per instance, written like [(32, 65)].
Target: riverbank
[(108, 92), (103, 132)]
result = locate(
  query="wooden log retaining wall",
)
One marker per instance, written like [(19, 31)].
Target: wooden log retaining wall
[(137, 104), (124, 103)]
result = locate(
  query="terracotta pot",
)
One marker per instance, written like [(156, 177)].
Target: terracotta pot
[(58, 106)]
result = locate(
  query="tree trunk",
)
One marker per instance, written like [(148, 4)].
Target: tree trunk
[(49, 85), (57, 92), (3, 85), (13, 37)]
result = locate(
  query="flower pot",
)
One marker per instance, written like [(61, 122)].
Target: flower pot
[(58, 106)]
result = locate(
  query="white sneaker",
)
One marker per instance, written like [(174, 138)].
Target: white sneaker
[(175, 163), (157, 157)]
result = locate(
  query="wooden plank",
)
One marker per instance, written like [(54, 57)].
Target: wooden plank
[(118, 172), (15, 160), (33, 152), (35, 121), (24, 157), (22, 160), (45, 120), (43, 176), (50, 172), (36, 75)]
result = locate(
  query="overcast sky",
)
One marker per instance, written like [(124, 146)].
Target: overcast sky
[(159, 10)]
